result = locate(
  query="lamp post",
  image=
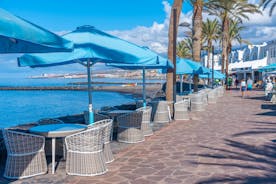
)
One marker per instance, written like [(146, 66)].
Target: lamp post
[(188, 34), (213, 53), (174, 52)]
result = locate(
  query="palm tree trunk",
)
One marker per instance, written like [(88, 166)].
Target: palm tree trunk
[(197, 32), (225, 34), (169, 86), (226, 65), (208, 57)]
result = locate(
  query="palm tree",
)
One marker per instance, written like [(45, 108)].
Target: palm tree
[(184, 48), (197, 34), (226, 9), (265, 3), (210, 33), (170, 75), (235, 29)]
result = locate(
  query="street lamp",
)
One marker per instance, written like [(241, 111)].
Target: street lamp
[(187, 34), (213, 53), (184, 24)]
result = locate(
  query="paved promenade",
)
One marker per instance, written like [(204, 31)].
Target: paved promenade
[(233, 141)]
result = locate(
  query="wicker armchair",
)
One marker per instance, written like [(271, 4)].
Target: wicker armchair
[(106, 124), (161, 112), (130, 127), (26, 156), (146, 126), (181, 110), (2, 146), (85, 153), (60, 151), (97, 117)]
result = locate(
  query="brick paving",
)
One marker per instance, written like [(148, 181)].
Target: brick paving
[(233, 141)]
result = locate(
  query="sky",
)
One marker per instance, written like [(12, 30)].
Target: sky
[(144, 22)]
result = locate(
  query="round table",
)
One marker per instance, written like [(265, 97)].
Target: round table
[(114, 113), (56, 130)]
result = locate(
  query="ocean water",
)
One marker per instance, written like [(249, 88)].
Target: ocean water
[(18, 107)]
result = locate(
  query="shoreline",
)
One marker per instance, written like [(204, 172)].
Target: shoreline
[(135, 90)]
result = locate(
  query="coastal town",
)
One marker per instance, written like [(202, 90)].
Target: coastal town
[(126, 74)]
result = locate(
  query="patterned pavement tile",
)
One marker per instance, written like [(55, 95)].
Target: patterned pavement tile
[(232, 141)]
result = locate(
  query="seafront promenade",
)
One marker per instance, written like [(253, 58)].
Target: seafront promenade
[(233, 141)]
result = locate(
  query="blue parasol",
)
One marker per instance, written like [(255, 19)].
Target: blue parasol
[(160, 63), (91, 46), (20, 36)]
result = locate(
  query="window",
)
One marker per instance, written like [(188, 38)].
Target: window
[(262, 52), (246, 55), (236, 56), (254, 53)]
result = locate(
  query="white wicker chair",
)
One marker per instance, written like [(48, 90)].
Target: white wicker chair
[(161, 112), (130, 127), (85, 153), (197, 103), (181, 110), (106, 124), (146, 126), (26, 156), (2, 146)]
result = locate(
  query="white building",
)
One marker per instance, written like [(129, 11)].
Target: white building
[(245, 61)]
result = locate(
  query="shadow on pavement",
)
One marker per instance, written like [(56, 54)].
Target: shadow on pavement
[(248, 164), (262, 128), (268, 106), (271, 113)]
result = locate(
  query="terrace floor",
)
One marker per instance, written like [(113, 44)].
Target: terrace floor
[(233, 141)]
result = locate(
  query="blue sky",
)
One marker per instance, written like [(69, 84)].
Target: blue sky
[(144, 22), (61, 16), (57, 15)]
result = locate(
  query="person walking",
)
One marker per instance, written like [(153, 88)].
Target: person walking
[(243, 87), (249, 85), (236, 83), (268, 87)]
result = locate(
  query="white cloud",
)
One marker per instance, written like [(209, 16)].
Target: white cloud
[(259, 28), (156, 36)]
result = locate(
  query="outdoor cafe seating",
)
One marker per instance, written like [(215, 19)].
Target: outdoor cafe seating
[(85, 152), (146, 120), (107, 124), (181, 110), (48, 143), (130, 127), (25, 155)]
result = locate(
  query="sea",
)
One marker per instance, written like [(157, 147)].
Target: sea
[(19, 107)]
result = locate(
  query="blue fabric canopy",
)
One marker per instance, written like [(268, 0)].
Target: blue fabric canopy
[(187, 66), (90, 46), (217, 75), (161, 63), (268, 68), (95, 45), (20, 36)]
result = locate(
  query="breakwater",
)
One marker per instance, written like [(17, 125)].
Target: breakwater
[(136, 90)]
